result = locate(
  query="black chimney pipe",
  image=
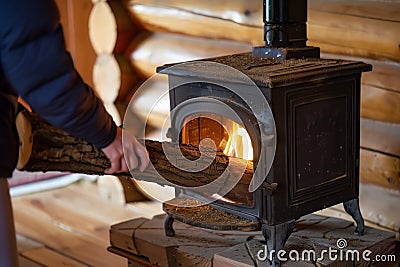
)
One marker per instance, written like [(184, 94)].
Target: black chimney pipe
[(285, 23), (285, 30)]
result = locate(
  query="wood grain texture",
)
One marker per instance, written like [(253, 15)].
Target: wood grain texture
[(48, 257), (74, 221), (380, 136), (343, 33), (380, 104), (384, 73), (113, 77), (110, 27), (353, 34), (24, 243), (148, 51), (24, 262), (380, 169), (64, 239), (193, 245)]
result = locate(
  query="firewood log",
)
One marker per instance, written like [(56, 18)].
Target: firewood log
[(46, 148), (110, 27), (351, 32), (152, 50)]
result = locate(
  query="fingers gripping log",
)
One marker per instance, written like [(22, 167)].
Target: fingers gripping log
[(46, 148)]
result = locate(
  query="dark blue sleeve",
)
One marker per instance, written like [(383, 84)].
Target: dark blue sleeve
[(37, 66)]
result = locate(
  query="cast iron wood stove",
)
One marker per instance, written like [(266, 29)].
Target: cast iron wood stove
[(316, 107)]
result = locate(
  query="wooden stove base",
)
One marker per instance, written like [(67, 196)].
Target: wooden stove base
[(143, 243)]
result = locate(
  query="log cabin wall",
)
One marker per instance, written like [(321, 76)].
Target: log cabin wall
[(132, 37), (74, 18)]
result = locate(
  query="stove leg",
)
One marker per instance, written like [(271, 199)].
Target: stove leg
[(276, 237), (168, 225), (352, 207)]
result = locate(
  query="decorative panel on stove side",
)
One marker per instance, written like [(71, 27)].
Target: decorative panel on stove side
[(318, 147)]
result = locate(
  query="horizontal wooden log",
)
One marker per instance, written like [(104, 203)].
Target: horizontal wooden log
[(350, 33), (383, 10), (384, 73), (380, 104), (379, 169), (110, 27), (152, 50), (46, 148), (161, 17), (246, 12), (381, 137)]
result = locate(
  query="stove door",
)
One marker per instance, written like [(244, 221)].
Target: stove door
[(233, 130)]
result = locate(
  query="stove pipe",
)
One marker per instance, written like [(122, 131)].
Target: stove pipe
[(285, 30), (285, 23)]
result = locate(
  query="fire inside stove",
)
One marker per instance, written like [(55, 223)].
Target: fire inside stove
[(227, 136)]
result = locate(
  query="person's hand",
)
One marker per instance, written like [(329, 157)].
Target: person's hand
[(138, 156)]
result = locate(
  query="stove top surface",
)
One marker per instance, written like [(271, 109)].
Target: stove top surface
[(265, 72)]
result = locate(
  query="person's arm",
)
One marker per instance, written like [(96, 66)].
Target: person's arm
[(35, 63)]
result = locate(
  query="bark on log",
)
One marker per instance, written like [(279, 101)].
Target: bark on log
[(352, 33), (46, 148), (149, 51)]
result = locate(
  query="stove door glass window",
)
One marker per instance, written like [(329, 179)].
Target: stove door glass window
[(230, 138)]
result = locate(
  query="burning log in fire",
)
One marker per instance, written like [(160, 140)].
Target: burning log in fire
[(46, 148)]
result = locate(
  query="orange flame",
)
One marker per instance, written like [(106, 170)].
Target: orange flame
[(239, 143)]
